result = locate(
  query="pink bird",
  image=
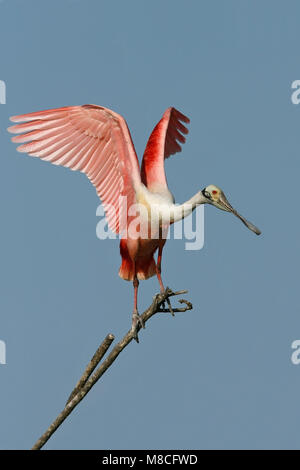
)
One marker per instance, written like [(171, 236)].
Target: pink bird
[(97, 142)]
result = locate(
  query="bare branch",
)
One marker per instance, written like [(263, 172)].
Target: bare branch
[(188, 304), (87, 381), (92, 364)]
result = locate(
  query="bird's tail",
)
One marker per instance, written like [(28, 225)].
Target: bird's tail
[(145, 267)]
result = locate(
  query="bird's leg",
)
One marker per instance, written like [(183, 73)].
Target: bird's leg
[(158, 274), (158, 270), (136, 319)]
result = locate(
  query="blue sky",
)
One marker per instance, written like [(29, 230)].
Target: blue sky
[(221, 375)]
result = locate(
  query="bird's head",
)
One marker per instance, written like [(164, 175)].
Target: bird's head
[(215, 196)]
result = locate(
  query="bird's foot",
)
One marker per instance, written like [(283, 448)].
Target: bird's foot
[(137, 323), (170, 307), (167, 290)]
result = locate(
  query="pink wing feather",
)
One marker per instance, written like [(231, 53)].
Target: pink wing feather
[(164, 141), (91, 139)]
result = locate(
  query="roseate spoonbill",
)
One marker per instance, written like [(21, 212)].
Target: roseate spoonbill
[(97, 142)]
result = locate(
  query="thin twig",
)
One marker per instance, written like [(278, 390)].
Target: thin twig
[(87, 381), (188, 304), (92, 364)]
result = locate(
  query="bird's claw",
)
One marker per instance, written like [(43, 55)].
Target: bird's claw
[(168, 291), (137, 322), (170, 307)]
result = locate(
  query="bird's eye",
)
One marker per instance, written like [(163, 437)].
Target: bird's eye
[(214, 191)]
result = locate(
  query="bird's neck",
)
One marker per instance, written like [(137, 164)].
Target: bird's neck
[(179, 211)]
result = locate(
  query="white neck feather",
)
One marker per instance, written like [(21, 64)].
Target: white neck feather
[(179, 211)]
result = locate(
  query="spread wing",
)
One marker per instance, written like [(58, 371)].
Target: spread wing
[(90, 139), (164, 141)]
